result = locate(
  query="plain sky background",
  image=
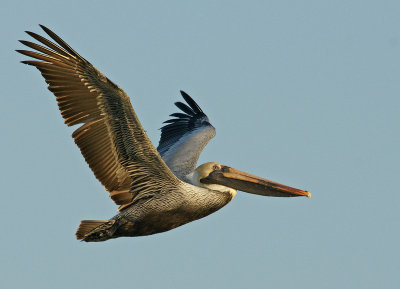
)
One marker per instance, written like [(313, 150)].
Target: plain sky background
[(301, 92)]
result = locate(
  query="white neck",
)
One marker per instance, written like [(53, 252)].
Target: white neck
[(193, 179)]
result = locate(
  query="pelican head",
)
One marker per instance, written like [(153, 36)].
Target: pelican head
[(203, 171), (219, 177)]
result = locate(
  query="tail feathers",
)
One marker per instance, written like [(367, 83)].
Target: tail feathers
[(94, 230)]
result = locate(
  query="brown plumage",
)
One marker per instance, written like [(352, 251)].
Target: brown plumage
[(151, 198), (111, 138)]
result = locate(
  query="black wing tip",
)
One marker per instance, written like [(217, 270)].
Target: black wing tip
[(186, 97), (191, 108), (190, 101), (189, 112), (189, 119), (30, 33), (185, 108), (48, 32), (44, 27), (178, 103), (183, 93), (179, 114)]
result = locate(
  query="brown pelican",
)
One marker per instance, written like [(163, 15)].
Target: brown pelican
[(156, 190)]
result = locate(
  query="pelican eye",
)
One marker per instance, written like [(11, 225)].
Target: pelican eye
[(216, 167)]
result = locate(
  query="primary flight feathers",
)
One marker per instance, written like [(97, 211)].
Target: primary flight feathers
[(110, 137)]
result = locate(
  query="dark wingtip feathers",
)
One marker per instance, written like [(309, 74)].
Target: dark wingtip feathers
[(183, 122), (45, 29), (191, 109), (191, 102), (186, 109)]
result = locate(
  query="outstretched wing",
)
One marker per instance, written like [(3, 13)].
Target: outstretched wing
[(111, 137), (184, 137)]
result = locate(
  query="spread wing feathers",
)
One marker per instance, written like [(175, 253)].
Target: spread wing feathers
[(111, 137), (184, 137)]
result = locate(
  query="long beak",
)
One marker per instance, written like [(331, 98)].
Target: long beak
[(245, 182)]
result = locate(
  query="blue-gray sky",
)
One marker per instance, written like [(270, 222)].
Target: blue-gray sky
[(301, 92)]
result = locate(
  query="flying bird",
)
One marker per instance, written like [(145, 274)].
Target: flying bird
[(156, 189)]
